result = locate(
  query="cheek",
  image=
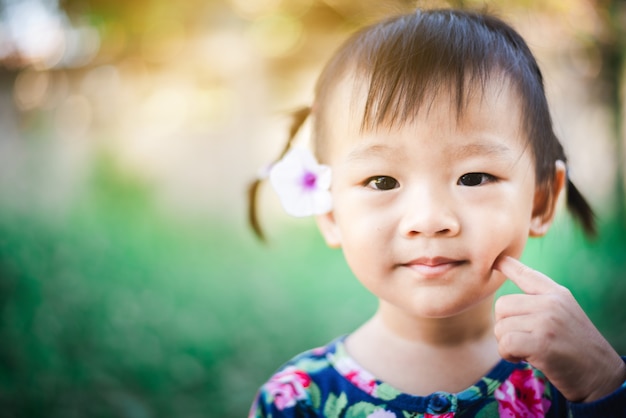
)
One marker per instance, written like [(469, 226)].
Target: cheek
[(354, 216), (365, 236), (505, 233)]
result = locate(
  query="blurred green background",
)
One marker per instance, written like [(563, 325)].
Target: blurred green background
[(130, 285)]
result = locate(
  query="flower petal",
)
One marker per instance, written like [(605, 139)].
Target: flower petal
[(302, 184)]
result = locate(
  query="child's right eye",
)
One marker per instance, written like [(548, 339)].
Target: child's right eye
[(382, 183), (475, 179)]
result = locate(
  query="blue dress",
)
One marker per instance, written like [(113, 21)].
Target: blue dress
[(327, 382)]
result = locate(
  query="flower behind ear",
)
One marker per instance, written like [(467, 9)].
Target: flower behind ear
[(302, 184)]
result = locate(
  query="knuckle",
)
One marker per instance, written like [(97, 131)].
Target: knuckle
[(507, 349), (522, 270), (503, 353), (546, 343), (497, 330), (544, 322), (505, 343), (559, 305), (546, 329), (562, 290), (553, 300), (498, 307)]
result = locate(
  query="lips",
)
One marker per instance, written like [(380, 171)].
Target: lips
[(432, 267)]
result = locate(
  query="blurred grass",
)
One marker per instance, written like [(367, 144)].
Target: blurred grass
[(117, 309)]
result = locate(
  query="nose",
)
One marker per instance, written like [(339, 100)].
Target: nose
[(429, 213)]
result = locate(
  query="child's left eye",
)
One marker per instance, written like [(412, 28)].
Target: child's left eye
[(382, 183), (475, 179)]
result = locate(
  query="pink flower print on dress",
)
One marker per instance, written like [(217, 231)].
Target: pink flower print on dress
[(521, 396), (355, 374), (446, 415), (287, 387), (302, 185), (362, 381)]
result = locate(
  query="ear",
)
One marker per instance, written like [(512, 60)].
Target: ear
[(329, 229), (545, 202)]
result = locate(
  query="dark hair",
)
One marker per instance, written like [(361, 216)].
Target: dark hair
[(406, 61)]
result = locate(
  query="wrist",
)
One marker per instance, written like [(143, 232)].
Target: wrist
[(609, 382)]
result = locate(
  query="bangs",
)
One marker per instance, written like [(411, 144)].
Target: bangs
[(407, 62), (425, 55), (413, 67)]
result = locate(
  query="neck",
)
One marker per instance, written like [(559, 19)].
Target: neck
[(470, 326), (452, 353)]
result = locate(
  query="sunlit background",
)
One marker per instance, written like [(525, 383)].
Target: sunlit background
[(130, 285)]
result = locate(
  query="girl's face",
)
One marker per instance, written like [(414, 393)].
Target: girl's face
[(422, 211)]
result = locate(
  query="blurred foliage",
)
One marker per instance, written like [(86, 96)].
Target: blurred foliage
[(116, 310)]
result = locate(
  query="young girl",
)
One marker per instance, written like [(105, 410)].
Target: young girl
[(437, 133)]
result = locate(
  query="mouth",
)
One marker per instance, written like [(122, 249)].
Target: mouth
[(432, 267)]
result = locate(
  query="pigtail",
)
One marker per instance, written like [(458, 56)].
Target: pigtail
[(299, 117), (253, 219), (580, 209)]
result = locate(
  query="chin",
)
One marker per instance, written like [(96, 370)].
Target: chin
[(453, 308), (443, 313)]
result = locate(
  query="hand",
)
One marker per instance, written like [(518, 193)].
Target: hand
[(548, 329)]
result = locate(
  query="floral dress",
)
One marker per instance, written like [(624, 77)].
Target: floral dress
[(327, 382)]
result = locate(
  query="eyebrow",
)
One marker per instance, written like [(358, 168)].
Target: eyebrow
[(378, 150), (481, 148), (462, 151)]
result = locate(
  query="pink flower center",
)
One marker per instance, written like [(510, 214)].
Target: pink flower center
[(308, 180)]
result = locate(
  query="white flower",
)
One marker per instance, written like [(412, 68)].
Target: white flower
[(302, 185)]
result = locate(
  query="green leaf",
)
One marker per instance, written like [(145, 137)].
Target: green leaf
[(491, 383), (386, 392), (334, 405), (312, 366), (361, 410), (316, 396), (489, 410)]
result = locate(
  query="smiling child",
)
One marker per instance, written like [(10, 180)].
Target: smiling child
[(438, 161)]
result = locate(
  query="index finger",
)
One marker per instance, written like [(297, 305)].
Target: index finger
[(529, 280)]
